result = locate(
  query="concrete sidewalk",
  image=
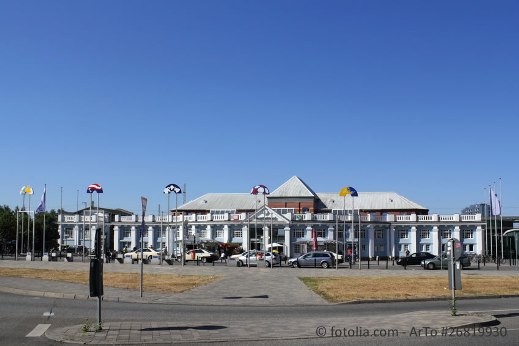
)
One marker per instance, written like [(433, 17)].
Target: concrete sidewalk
[(256, 282)]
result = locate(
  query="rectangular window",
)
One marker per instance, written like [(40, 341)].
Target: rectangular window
[(379, 234), (127, 233), (298, 248), (319, 233), (362, 234), (447, 234), (299, 233), (68, 233), (402, 234), (379, 248), (425, 234), (467, 234), (238, 233), (426, 247), (405, 247), (219, 233)]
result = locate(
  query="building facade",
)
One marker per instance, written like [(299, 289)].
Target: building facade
[(293, 218)]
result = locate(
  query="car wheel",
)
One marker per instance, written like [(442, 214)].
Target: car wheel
[(204, 259), (149, 258), (239, 263), (325, 265), (431, 266), (267, 264)]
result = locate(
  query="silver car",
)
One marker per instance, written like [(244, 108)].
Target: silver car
[(322, 259), (443, 262), (254, 258)]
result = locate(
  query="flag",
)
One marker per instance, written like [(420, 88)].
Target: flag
[(26, 190), (172, 188), (94, 188), (348, 190), (495, 205), (260, 189), (41, 207)]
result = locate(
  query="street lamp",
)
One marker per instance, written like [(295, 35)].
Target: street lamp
[(167, 190), (256, 190)]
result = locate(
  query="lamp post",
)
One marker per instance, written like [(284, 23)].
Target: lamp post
[(256, 190), (91, 189), (167, 190)]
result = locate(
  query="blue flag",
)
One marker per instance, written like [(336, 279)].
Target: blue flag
[(41, 207)]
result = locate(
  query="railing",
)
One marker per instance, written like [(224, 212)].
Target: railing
[(237, 217), (221, 217)]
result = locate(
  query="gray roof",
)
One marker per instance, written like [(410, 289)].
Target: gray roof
[(221, 201), (368, 201), (293, 187)]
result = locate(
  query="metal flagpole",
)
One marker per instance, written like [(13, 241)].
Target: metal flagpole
[(353, 230), (501, 216), (490, 222), (485, 215), (359, 240), (495, 222), (33, 230), (44, 212), (337, 243), (29, 225), (344, 226), (17, 225), (23, 221)]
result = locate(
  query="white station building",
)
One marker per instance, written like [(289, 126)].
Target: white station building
[(293, 218)]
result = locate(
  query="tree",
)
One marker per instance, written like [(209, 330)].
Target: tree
[(51, 231), (7, 223)]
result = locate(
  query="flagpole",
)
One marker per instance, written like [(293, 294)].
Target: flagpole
[(490, 223), (29, 225), (344, 227), (353, 230), (44, 212), (23, 222), (501, 216), (495, 221), (486, 228), (360, 252)]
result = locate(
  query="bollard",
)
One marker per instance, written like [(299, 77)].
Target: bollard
[(378, 261), (478, 264), (368, 262), (497, 263), (387, 262)]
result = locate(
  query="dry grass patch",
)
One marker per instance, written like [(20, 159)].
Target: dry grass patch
[(162, 283), (348, 289)]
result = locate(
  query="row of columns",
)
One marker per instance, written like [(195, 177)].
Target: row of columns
[(393, 248)]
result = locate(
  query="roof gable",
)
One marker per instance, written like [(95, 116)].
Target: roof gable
[(293, 187)]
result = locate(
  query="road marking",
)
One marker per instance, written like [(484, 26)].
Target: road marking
[(48, 313), (38, 331)]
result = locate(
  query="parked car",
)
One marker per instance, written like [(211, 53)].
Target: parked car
[(324, 259), (254, 258), (235, 257), (146, 253), (338, 257), (414, 258), (201, 255), (443, 262)]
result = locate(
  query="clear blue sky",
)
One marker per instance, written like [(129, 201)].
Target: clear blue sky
[(416, 97)]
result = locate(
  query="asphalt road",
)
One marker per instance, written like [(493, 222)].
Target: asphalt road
[(21, 314)]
